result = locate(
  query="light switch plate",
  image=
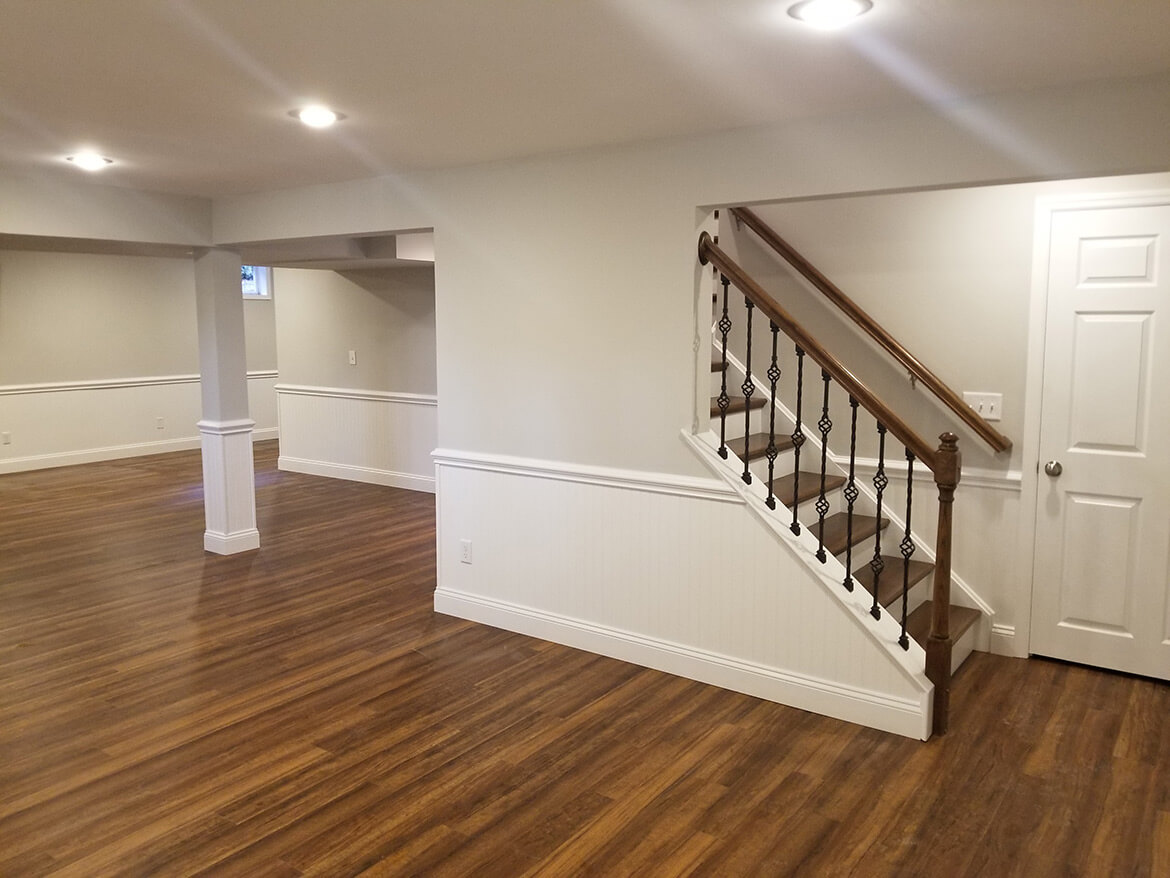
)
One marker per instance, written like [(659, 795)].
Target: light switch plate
[(989, 405)]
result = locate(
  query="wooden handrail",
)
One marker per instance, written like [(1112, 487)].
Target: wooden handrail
[(874, 330), (709, 251)]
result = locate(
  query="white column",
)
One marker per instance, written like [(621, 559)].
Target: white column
[(229, 492)]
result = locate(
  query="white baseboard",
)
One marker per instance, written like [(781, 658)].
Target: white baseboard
[(114, 452), (900, 716), (1003, 640), (231, 544), (409, 481), (95, 455)]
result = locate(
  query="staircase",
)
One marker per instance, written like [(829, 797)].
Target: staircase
[(790, 489), (760, 430)]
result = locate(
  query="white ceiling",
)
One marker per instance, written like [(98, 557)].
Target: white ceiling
[(192, 96)]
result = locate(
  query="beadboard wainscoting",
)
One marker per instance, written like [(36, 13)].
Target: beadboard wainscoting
[(228, 487), (669, 572), (73, 422), (361, 435)]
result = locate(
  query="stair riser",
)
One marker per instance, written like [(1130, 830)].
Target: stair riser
[(862, 508), (735, 422), (919, 592), (963, 647)]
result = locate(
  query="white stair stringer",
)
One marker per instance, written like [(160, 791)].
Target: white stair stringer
[(884, 632)]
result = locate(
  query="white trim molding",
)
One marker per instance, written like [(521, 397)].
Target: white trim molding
[(1003, 639), (657, 483), (899, 715), (348, 472), (226, 428), (118, 383), (350, 393)]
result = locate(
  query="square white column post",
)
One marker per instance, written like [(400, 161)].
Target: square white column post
[(229, 490)]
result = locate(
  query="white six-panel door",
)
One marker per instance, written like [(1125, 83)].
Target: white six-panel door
[(1101, 584)]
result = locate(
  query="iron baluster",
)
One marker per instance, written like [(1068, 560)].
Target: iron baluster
[(749, 388), (851, 494), (772, 452), (822, 505), (797, 438), (880, 481), (907, 547), (723, 401)]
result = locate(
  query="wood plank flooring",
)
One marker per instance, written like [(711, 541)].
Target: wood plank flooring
[(301, 710)]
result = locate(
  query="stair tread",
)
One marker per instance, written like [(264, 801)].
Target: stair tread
[(835, 530), (890, 584), (717, 364), (757, 445), (810, 486), (738, 405), (918, 623)]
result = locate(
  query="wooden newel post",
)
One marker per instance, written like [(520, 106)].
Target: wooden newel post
[(938, 645)]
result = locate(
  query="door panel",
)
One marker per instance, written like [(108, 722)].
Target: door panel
[(1100, 586), (1110, 368), (1087, 563)]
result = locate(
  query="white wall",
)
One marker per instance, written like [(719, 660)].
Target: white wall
[(373, 420), (95, 349)]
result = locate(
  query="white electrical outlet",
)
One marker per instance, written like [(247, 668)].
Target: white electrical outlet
[(465, 551), (988, 405), (5, 438), (353, 358), (160, 423)]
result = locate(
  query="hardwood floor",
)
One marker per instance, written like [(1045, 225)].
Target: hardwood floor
[(302, 710)]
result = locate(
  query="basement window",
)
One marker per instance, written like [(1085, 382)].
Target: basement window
[(256, 281)]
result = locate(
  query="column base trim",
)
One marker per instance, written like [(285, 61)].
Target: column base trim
[(231, 544), (226, 428)]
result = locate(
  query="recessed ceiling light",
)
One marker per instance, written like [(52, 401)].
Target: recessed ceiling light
[(317, 116), (89, 160), (829, 14)]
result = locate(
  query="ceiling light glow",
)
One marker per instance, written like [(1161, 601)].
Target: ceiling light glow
[(317, 116), (89, 160), (829, 14)]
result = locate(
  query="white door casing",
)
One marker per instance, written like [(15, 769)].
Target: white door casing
[(1101, 577)]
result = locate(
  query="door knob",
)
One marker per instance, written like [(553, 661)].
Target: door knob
[(1053, 468)]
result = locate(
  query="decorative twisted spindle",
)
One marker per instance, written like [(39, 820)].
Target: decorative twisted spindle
[(723, 401), (772, 451), (880, 481), (822, 505), (797, 438), (851, 493), (907, 547), (749, 388)]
